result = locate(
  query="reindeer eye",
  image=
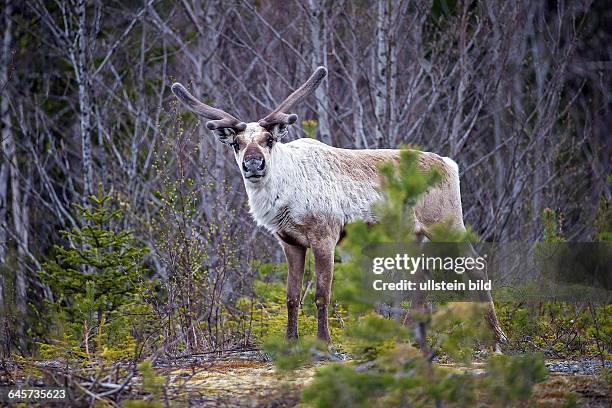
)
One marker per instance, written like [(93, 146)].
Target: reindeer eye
[(270, 142)]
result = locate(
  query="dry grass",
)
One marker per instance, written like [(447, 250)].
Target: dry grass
[(560, 389), (240, 383)]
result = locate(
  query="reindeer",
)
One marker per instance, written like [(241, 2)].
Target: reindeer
[(305, 192)]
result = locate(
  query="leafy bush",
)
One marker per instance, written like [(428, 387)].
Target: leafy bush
[(203, 270)]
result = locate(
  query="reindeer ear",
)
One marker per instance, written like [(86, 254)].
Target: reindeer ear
[(225, 135), (280, 130)]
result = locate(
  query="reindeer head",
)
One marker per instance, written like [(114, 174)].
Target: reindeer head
[(253, 143)]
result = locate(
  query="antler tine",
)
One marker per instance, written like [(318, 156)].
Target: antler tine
[(219, 119), (280, 115)]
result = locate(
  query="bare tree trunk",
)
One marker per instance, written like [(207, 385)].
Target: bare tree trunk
[(461, 87), (18, 213), (498, 116), (391, 94), (381, 64), (10, 152), (208, 75), (206, 19), (541, 68), (79, 62), (4, 347), (20, 225), (319, 57), (6, 127), (360, 136), (5, 120)]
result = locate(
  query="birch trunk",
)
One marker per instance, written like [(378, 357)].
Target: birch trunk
[(79, 62), (360, 138), (209, 74), (498, 117), (381, 61), (541, 68), (319, 57), (18, 211), (206, 19), (4, 170), (461, 87)]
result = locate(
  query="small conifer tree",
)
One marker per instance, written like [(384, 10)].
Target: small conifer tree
[(95, 274)]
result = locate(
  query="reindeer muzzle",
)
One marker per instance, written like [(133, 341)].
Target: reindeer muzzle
[(254, 167)]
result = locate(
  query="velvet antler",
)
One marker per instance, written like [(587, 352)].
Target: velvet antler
[(282, 115), (218, 119)]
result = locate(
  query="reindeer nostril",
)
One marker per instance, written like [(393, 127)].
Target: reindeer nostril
[(253, 164)]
